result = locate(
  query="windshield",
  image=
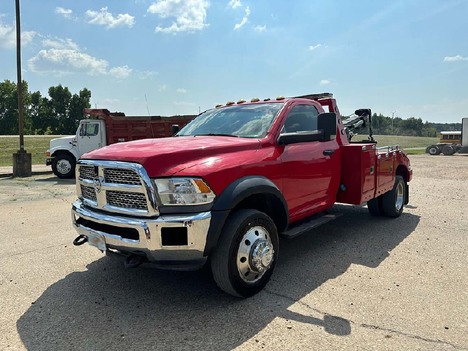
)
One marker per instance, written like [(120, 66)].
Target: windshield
[(246, 121)]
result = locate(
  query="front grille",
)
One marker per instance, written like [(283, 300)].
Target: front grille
[(121, 176), (88, 192), (120, 187), (88, 172), (126, 199)]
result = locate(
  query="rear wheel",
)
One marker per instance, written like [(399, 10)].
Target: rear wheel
[(448, 150), (245, 257), (63, 166), (375, 206), (394, 200)]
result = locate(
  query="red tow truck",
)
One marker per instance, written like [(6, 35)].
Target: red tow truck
[(230, 183)]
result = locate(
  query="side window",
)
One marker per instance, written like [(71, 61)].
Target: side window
[(302, 118), (89, 129)]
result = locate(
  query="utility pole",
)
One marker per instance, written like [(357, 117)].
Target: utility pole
[(393, 115), (21, 160)]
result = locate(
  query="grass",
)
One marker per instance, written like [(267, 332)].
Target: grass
[(412, 145), (36, 145)]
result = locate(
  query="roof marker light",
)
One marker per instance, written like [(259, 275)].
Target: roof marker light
[(241, 101), (267, 99), (229, 103), (255, 100), (280, 98)]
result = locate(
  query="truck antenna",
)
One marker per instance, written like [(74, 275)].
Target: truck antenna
[(147, 108)]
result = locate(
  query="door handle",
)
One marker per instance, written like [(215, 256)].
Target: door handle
[(328, 152)]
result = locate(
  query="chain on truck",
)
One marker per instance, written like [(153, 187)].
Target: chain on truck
[(222, 192)]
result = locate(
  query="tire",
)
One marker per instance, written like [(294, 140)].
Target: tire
[(246, 254), (448, 150), (63, 166), (433, 150), (375, 206), (394, 200)]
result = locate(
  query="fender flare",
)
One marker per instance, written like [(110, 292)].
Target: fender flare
[(233, 195)]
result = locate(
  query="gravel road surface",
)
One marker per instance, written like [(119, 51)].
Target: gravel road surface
[(357, 283)]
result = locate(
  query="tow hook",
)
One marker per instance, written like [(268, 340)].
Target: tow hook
[(133, 261), (80, 240)]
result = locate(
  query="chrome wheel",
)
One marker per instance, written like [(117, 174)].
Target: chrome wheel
[(255, 254), (399, 198)]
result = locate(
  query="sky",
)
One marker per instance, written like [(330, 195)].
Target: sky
[(405, 58)]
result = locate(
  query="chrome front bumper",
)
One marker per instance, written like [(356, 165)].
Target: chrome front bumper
[(169, 240)]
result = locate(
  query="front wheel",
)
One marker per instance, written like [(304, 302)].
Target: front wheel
[(245, 257), (394, 200), (63, 166), (433, 150)]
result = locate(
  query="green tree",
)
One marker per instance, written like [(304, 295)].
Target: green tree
[(9, 107)]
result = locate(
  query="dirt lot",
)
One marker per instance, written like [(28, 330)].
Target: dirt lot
[(358, 283)]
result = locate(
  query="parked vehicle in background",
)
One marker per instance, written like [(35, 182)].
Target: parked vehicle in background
[(231, 182), (451, 141), (102, 128)]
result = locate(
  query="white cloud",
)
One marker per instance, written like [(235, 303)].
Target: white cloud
[(147, 74), (162, 87), (244, 20), (105, 18), (181, 90), (8, 36), (58, 43), (260, 29), (190, 15), (120, 72), (324, 82), (314, 47), (235, 3), (63, 61), (64, 57), (455, 58), (67, 13)]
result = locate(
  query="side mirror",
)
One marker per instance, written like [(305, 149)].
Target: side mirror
[(326, 122), (300, 137), (175, 129)]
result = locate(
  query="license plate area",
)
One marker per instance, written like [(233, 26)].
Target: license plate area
[(96, 240)]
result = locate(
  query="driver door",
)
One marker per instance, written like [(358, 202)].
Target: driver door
[(309, 168)]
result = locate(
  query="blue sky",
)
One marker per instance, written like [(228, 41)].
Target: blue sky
[(409, 57)]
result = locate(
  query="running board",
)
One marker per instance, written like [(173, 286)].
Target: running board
[(311, 224)]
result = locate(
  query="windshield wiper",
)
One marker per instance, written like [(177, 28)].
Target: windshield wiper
[(217, 134)]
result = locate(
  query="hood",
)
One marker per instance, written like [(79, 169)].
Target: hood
[(167, 156), (62, 143)]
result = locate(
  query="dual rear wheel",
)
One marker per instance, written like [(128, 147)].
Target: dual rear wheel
[(392, 202)]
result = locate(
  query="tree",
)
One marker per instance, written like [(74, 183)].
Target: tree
[(9, 107)]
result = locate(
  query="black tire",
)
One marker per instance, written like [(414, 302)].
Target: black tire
[(433, 150), (393, 201), (246, 254), (375, 206), (63, 166), (448, 150)]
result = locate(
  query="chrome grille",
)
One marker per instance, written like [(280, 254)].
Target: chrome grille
[(88, 192), (88, 172), (126, 199), (119, 187), (121, 176)]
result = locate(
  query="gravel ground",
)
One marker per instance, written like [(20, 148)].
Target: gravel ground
[(357, 283)]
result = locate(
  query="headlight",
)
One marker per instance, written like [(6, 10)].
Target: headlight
[(183, 191)]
